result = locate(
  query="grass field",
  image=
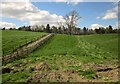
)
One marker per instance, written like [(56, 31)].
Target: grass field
[(12, 39), (68, 58), (0, 42)]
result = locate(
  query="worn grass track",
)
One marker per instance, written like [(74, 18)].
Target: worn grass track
[(27, 49), (13, 39)]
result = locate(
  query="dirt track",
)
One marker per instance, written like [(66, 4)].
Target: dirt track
[(26, 49)]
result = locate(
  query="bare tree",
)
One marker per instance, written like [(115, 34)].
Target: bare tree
[(71, 20)]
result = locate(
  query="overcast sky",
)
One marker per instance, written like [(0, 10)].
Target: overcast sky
[(94, 14)]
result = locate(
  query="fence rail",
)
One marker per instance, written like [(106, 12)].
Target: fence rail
[(25, 50)]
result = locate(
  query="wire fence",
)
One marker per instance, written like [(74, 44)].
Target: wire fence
[(25, 50)]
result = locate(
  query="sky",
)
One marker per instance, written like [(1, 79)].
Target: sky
[(94, 14)]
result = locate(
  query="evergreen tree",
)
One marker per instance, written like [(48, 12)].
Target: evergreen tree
[(110, 29), (85, 30), (48, 28)]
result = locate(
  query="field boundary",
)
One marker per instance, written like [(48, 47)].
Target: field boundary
[(22, 45), (25, 50)]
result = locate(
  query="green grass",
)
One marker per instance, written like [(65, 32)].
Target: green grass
[(60, 45), (89, 48), (19, 76), (87, 74), (99, 47), (0, 42), (107, 42), (64, 52), (12, 39)]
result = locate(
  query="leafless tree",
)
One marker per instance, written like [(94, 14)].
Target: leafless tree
[(71, 20)]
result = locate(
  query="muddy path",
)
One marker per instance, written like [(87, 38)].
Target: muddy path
[(100, 73), (43, 72)]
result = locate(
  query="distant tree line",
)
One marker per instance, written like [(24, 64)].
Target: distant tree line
[(69, 27), (64, 30), (108, 29)]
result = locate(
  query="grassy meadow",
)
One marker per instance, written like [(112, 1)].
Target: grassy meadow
[(81, 54), (12, 39)]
